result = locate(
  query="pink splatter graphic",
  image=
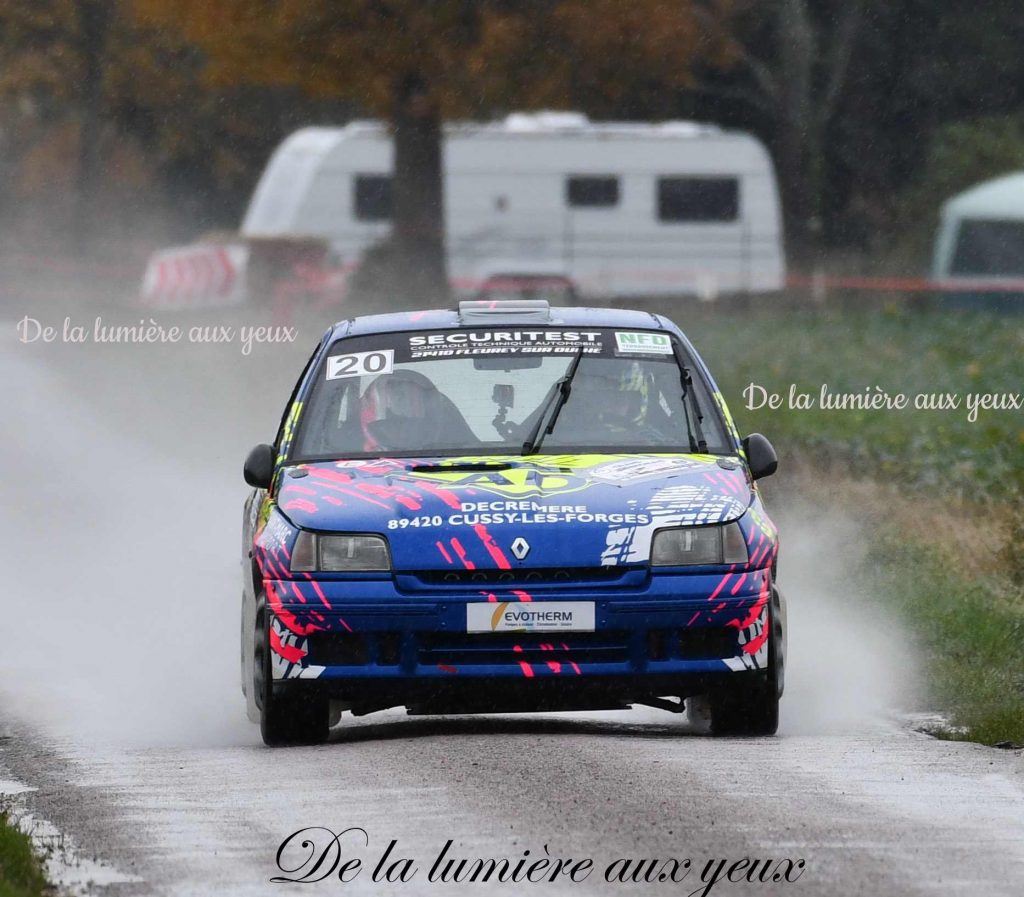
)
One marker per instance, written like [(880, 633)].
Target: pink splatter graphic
[(291, 653), (719, 588), (523, 665), (323, 598), (461, 552), (553, 665), (287, 619), (753, 615), (446, 495), (492, 547), (336, 476), (392, 492)]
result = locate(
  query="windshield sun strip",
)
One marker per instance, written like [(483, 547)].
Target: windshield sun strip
[(680, 357)]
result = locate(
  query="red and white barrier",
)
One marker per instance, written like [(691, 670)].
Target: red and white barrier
[(211, 275), (201, 275)]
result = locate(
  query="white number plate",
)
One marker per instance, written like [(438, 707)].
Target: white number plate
[(530, 616), (359, 363)]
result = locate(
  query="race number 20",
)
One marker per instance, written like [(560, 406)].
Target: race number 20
[(359, 363)]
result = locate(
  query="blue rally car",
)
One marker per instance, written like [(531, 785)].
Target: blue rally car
[(508, 507)]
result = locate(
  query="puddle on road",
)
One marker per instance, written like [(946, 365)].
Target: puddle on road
[(64, 865)]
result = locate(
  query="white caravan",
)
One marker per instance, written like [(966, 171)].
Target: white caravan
[(620, 209)]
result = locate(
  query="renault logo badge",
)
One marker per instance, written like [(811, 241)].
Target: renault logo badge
[(520, 548)]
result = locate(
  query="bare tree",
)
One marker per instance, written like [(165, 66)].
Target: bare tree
[(94, 20), (794, 56)]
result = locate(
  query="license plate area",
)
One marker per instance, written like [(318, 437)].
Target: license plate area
[(530, 616)]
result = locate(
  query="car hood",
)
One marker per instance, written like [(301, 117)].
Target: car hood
[(513, 512)]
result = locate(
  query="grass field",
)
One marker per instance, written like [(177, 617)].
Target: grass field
[(969, 629), (898, 351), (21, 873), (945, 533)]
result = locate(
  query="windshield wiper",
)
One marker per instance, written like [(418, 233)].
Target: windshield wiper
[(559, 395), (693, 423)]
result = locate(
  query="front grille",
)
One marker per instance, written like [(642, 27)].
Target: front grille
[(338, 649), (349, 649), (462, 649), (469, 649), (526, 577), (708, 643)]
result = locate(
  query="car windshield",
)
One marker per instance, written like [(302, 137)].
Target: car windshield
[(488, 391)]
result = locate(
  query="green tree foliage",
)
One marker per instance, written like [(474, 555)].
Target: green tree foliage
[(959, 155), (872, 81), (107, 119), (919, 66), (964, 153)]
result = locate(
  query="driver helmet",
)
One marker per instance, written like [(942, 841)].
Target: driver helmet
[(405, 394), (619, 397)]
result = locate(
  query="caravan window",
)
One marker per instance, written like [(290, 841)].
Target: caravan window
[(592, 192), (372, 197), (698, 199), (995, 248)]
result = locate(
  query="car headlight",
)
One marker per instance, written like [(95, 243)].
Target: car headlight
[(314, 552), (689, 546)]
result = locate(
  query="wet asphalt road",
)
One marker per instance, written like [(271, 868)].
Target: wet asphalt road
[(884, 812), (119, 701)]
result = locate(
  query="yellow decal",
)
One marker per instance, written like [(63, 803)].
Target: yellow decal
[(496, 616), (553, 475)]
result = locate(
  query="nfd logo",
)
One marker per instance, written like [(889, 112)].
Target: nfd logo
[(644, 341)]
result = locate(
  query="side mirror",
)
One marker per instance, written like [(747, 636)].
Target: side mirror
[(259, 466), (761, 456)]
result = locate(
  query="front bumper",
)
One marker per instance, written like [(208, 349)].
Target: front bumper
[(399, 637)]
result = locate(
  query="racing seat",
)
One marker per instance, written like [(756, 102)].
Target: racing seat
[(405, 411)]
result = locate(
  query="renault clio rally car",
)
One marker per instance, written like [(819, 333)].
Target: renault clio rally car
[(508, 507)]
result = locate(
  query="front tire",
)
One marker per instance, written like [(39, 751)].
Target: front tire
[(752, 708), (285, 718)]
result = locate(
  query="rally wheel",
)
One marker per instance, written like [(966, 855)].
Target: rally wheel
[(286, 717), (752, 707)]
